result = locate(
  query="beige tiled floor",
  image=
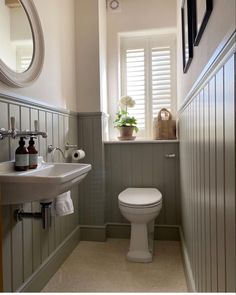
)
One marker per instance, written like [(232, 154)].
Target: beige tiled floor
[(102, 267)]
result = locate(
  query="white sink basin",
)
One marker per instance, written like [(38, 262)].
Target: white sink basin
[(43, 183)]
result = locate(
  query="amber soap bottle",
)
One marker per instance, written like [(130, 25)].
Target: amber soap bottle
[(21, 157), (33, 154)]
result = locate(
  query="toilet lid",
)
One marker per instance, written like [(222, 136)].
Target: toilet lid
[(140, 196)]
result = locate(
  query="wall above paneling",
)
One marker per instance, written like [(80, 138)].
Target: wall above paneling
[(91, 55), (130, 21), (56, 84), (220, 27)]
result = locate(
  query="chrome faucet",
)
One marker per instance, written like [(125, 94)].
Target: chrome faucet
[(52, 150), (14, 133)]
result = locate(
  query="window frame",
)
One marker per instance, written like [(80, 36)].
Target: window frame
[(148, 42)]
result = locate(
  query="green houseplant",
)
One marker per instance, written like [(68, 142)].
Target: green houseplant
[(124, 122)]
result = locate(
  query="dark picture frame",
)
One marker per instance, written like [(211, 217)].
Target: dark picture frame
[(187, 33), (201, 13)]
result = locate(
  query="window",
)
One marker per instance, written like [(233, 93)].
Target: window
[(23, 58), (148, 75)]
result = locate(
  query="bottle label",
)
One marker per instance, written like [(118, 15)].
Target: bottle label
[(22, 160), (33, 159)]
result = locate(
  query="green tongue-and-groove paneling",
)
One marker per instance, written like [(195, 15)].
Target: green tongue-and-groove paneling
[(26, 246)]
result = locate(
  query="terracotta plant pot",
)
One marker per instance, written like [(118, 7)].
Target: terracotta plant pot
[(126, 133)]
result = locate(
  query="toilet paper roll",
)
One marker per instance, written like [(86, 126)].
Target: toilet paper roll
[(77, 155)]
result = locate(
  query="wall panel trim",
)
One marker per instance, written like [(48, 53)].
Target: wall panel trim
[(92, 114), (187, 265), (9, 97), (122, 231)]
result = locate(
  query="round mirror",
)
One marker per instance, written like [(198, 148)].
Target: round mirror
[(22, 45)]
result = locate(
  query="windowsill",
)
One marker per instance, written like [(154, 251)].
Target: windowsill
[(139, 140)]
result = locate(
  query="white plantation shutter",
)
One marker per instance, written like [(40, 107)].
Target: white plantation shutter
[(148, 76), (161, 79), (135, 83)]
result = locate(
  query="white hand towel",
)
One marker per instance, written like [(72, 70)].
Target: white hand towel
[(63, 205)]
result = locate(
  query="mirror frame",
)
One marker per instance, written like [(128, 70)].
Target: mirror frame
[(14, 79)]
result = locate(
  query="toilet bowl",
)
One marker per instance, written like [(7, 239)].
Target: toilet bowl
[(140, 206)]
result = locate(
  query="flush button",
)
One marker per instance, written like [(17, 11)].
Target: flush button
[(170, 156)]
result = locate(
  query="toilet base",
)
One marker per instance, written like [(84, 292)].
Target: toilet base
[(139, 256), (139, 250)]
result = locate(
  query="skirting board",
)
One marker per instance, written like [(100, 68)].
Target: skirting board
[(41, 276), (93, 233), (122, 231), (187, 265)]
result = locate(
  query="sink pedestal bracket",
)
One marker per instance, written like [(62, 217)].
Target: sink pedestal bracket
[(45, 215)]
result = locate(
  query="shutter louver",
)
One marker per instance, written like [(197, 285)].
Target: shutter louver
[(161, 79), (135, 83)]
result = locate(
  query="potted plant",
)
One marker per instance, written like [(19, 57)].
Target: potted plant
[(124, 122)]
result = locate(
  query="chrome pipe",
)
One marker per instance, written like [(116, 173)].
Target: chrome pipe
[(45, 215)]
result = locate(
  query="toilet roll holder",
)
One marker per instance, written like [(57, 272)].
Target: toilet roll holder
[(70, 146), (76, 153), (52, 149)]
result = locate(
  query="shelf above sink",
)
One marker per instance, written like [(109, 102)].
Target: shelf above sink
[(44, 183)]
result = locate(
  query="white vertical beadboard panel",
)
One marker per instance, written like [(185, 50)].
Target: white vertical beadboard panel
[(230, 216), (27, 224), (202, 190), (192, 159), (42, 142), (220, 179), (55, 143), (37, 223), (61, 136), (198, 233), (16, 232), (6, 249), (55, 134), (4, 144), (14, 111), (213, 194), (170, 187), (195, 193), (62, 143), (49, 129), (51, 231), (207, 190)]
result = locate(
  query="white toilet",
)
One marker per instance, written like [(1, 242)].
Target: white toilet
[(140, 206)]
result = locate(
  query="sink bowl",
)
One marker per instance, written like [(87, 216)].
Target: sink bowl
[(44, 183)]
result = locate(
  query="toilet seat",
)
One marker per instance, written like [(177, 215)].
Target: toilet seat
[(140, 197), (140, 206)]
